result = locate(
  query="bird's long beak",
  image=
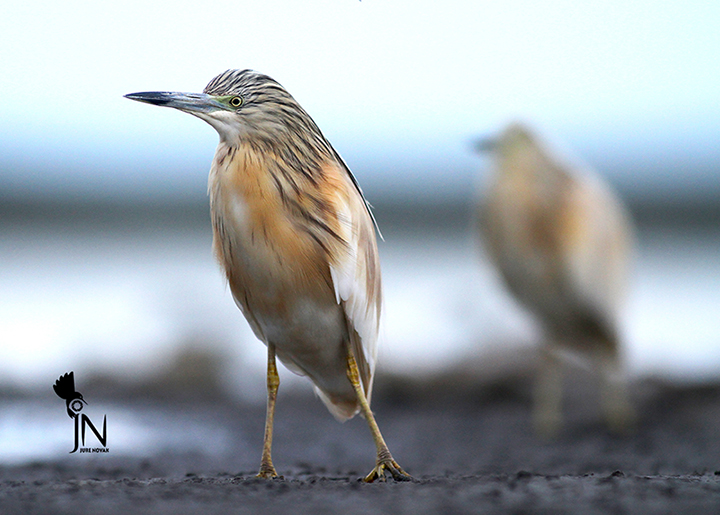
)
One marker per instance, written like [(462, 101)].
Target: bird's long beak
[(188, 102), (486, 144)]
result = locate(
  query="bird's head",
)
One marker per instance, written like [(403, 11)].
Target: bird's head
[(514, 138), (240, 105)]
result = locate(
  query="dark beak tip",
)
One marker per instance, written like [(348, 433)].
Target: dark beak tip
[(483, 145), (187, 102), (150, 97)]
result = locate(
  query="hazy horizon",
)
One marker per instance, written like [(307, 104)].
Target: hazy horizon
[(401, 89)]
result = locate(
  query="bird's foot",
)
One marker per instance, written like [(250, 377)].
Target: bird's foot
[(268, 472), (385, 466)]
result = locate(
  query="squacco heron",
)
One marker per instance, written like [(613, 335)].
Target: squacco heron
[(562, 242), (296, 239)]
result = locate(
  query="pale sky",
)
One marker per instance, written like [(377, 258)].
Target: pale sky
[(400, 88)]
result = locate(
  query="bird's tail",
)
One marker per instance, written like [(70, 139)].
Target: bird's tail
[(342, 409), (345, 407)]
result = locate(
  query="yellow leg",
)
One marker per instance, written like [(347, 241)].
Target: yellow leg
[(385, 461), (615, 400), (547, 406), (267, 470)]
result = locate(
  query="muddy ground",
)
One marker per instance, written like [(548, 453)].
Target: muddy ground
[(470, 448)]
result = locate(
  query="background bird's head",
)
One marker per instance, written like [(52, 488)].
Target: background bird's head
[(515, 138), (518, 152), (243, 105)]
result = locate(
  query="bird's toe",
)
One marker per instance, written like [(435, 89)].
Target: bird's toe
[(268, 472), (389, 466)]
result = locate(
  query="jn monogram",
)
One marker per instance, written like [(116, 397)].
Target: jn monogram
[(65, 389)]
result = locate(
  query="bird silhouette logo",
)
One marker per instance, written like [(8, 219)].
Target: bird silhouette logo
[(65, 389)]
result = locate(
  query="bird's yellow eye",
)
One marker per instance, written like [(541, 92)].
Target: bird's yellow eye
[(236, 101)]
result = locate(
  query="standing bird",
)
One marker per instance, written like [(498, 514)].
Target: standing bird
[(296, 239), (562, 242)]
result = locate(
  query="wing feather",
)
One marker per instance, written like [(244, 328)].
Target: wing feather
[(355, 273), (597, 245)]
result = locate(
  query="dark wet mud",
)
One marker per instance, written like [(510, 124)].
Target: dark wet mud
[(471, 450)]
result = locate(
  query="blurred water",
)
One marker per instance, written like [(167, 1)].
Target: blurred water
[(98, 297), (41, 430)]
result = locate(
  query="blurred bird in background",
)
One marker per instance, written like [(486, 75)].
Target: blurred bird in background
[(562, 242), (296, 239)]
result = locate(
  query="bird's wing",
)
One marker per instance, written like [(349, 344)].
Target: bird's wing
[(358, 189), (597, 243), (355, 272)]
